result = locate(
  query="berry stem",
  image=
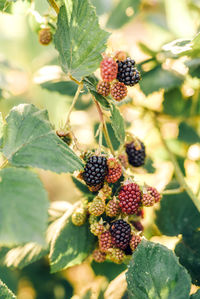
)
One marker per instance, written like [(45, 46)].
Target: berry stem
[(177, 169), (105, 130), (80, 86), (54, 5)]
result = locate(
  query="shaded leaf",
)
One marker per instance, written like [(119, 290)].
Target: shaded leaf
[(149, 165), (71, 244), (117, 123), (154, 272), (188, 251), (23, 207), (194, 67), (119, 16), (196, 295), (108, 269), (83, 188), (177, 215), (30, 141), (157, 79), (187, 133), (79, 47), (1, 129), (111, 134), (5, 293)]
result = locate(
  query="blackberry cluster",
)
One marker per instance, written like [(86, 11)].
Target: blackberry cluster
[(130, 198), (95, 171), (127, 73), (136, 154), (121, 233)]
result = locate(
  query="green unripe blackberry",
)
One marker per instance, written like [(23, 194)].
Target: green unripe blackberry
[(116, 255), (97, 228), (99, 256), (96, 207), (112, 208), (79, 216)]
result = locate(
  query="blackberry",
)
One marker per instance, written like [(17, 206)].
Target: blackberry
[(95, 171), (114, 170), (148, 200), (105, 241), (108, 68), (135, 240), (116, 255), (112, 208), (121, 233), (99, 256), (127, 73), (79, 216), (154, 192), (118, 91), (103, 88), (136, 153), (105, 192), (96, 228), (96, 207), (130, 198), (45, 36)]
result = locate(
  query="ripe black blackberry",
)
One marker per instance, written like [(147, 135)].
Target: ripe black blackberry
[(121, 233), (127, 73), (136, 153), (95, 171)]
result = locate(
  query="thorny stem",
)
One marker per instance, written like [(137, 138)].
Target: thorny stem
[(54, 5), (80, 86), (105, 130), (177, 169)]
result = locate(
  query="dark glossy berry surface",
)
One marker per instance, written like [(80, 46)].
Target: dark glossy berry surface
[(136, 155), (127, 73), (121, 233), (95, 170)]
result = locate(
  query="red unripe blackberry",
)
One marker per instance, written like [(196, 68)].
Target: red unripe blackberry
[(135, 240), (114, 170), (130, 198), (116, 255), (99, 256), (154, 193), (96, 207), (45, 36), (103, 88), (118, 91), (121, 233), (105, 241), (148, 200), (136, 153), (95, 171), (113, 208), (127, 73), (97, 228), (108, 68)]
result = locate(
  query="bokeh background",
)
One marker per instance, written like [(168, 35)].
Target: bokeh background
[(30, 72)]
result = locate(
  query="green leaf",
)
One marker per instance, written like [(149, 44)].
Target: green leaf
[(1, 129), (119, 16), (188, 251), (2, 4), (71, 244), (117, 123), (91, 83), (154, 273), (194, 67), (102, 6), (108, 269), (83, 188), (188, 134), (79, 39), (22, 256), (63, 87), (23, 207), (149, 165), (177, 215), (145, 49), (196, 295), (5, 293), (157, 79), (30, 141), (174, 104)]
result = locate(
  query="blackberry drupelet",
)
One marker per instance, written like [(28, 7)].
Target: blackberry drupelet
[(136, 155), (121, 233), (95, 171), (127, 73)]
